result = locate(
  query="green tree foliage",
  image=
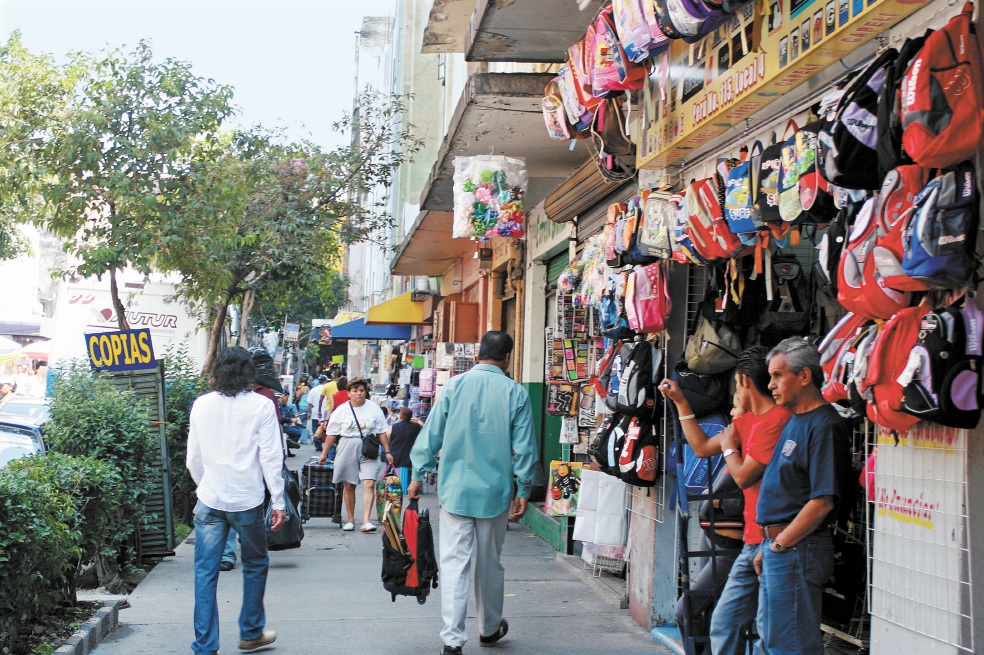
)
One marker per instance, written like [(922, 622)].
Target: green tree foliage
[(261, 213), (118, 162), (34, 98), (90, 417), (185, 383)]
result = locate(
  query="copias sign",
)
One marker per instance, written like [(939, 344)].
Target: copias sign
[(127, 350)]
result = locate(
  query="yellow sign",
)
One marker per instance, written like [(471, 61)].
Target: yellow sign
[(714, 85), (126, 350)]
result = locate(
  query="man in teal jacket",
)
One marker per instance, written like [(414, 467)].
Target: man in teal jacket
[(482, 425)]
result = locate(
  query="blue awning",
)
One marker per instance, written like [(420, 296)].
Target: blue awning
[(359, 330)]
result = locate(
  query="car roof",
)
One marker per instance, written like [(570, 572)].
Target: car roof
[(19, 421)]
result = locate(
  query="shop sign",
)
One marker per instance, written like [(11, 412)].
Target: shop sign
[(920, 573), (291, 332), (545, 235), (126, 350), (712, 86)]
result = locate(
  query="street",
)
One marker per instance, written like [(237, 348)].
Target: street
[(326, 598)]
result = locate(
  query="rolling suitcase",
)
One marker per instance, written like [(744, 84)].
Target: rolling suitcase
[(319, 496)]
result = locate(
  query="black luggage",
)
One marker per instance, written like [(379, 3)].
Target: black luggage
[(409, 559), (319, 496)]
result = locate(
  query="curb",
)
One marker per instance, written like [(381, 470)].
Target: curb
[(84, 641), (574, 565)]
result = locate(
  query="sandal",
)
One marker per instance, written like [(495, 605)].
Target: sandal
[(348, 527), (368, 527)]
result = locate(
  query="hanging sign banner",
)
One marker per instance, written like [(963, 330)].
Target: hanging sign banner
[(698, 92), (126, 350)]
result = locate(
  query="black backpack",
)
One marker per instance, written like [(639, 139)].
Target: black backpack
[(410, 571), (606, 447), (788, 314), (847, 144), (889, 146), (641, 361), (639, 457)]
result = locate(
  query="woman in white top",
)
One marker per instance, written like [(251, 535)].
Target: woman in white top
[(350, 467)]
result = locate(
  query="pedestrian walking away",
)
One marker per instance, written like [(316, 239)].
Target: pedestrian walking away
[(797, 504), (234, 449), (482, 424)]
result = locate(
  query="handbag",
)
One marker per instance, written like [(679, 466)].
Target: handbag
[(389, 489), (370, 442), (712, 349), (291, 532)]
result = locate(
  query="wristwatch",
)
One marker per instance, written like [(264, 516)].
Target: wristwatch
[(729, 452), (777, 547)]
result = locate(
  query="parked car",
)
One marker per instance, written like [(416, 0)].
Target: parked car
[(20, 436), (36, 408)]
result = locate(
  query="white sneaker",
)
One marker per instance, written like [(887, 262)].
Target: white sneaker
[(368, 527), (348, 527)]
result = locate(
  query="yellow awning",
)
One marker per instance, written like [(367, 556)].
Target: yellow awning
[(402, 310)]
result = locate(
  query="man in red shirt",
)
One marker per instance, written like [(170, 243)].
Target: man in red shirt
[(747, 446)]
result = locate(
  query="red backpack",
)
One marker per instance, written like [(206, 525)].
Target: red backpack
[(943, 96), (860, 288), (706, 226), (832, 350), (892, 211), (647, 299), (886, 362)]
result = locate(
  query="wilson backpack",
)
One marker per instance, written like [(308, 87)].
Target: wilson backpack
[(885, 363), (655, 231), (647, 299), (945, 367), (860, 288), (943, 96), (832, 351), (637, 383), (848, 142), (638, 461), (606, 447), (889, 144), (941, 236), (893, 210)]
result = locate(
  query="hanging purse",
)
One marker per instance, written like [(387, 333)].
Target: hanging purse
[(370, 442)]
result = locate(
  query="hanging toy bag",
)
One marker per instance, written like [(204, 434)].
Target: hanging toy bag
[(489, 196)]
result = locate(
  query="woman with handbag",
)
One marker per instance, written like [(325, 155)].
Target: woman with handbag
[(359, 427)]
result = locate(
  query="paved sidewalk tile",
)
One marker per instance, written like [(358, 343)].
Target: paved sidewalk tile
[(326, 598)]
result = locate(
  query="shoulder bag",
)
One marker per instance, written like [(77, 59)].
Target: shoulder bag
[(370, 442)]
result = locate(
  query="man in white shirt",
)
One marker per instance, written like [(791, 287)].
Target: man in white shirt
[(314, 403), (234, 449)]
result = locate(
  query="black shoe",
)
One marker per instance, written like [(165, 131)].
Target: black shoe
[(290, 454), (227, 566), (293, 444), (493, 639), (451, 650)]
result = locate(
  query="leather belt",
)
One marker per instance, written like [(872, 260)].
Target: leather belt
[(772, 531)]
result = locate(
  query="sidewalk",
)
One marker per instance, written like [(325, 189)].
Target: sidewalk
[(326, 598)]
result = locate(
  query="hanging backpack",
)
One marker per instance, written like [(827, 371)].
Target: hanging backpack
[(713, 348), (655, 230), (847, 144), (637, 386), (580, 59), (941, 236), (790, 207), (816, 196), (613, 315), (885, 363), (860, 287), (633, 19), (739, 197), (945, 367), (942, 95), (613, 255), (606, 446), (606, 381), (694, 473), (706, 225), (766, 207), (633, 252), (638, 462), (648, 301), (705, 393), (788, 311), (616, 152), (613, 70), (889, 144), (893, 209), (832, 352), (831, 247)]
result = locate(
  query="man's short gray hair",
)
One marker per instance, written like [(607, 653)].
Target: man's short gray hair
[(800, 354)]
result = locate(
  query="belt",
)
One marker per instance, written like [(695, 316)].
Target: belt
[(772, 531)]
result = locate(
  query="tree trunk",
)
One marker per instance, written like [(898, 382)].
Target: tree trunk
[(249, 301), (215, 335), (114, 292)]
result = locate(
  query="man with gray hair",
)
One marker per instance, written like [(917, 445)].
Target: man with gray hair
[(797, 501)]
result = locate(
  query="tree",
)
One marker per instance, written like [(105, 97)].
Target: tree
[(261, 212), (122, 157), (34, 98)]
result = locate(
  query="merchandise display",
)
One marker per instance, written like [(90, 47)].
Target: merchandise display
[(489, 196)]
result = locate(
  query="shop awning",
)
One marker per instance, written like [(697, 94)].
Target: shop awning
[(429, 249), (402, 310), (501, 114), (539, 31), (358, 329), (344, 317)]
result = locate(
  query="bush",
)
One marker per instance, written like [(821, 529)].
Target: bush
[(90, 417), (39, 547), (185, 383)]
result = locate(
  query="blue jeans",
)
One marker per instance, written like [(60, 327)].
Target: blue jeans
[(791, 593), (736, 608), (229, 552), (212, 528)]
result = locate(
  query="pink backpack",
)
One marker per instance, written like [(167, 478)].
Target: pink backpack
[(427, 376), (647, 299)]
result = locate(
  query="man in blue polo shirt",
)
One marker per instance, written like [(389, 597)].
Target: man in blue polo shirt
[(799, 493), (482, 424)]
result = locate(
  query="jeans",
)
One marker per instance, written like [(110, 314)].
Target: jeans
[(712, 576), (229, 552), (790, 595), (212, 528), (736, 608)]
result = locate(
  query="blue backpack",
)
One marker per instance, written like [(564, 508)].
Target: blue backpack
[(694, 473), (940, 238), (739, 198)]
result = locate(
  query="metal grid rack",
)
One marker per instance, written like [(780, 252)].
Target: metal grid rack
[(919, 547)]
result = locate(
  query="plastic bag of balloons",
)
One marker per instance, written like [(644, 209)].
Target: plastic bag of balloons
[(489, 196)]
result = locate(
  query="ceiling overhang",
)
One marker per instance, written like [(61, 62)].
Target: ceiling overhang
[(429, 249), (447, 26), (538, 31)]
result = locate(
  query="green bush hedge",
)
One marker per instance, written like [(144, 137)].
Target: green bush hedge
[(56, 512), (185, 383)]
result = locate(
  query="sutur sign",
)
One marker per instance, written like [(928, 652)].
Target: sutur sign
[(126, 350)]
